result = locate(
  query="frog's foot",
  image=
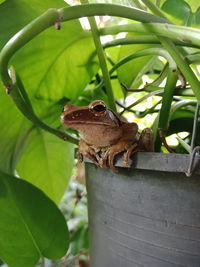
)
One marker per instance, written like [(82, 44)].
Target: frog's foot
[(108, 159), (146, 140), (129, 152), (109, 156), (88, 152)]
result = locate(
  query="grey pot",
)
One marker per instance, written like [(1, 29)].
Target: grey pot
[(148, 215)]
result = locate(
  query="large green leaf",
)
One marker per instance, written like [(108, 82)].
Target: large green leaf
[(47, 162), (61, 63), (194, 4), (15, 14), (51, 66), (182, 14), (30, 224), (14, 128), (129, 72), (55, 63)]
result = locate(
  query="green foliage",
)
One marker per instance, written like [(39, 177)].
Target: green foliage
[(182, 14), (44, 171), (131, 73), (31, 225), (65, 66)]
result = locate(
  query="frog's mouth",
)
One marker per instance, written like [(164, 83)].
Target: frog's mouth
[(74, 122)]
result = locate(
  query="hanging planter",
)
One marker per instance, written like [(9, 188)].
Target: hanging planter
[(147, 215)]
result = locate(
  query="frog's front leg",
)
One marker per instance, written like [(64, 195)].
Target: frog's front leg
[(128, 143), (88, 152)]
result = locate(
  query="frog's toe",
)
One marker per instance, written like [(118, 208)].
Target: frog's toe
[(104, 162), (130, 150), (111, 161)]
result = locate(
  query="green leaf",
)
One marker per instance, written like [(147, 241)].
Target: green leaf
[(15, 14), (31, 225), (132, 70), (72, 61), (14, 128), (55, 64), (194, 4), (62, 63), (79, 240), (47, 162), (182, 14)]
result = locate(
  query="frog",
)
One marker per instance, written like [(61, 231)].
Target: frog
[(104, 134)]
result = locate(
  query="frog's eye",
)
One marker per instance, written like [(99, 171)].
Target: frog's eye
[(98, 107)]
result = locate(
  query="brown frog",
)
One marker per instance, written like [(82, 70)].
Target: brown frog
[(104, 134)]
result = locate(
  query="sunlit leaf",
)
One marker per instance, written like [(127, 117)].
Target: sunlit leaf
[(30, 224), (1, 1), (182, 14), (15, 14), (194, 4), (47, 162), (128, 73), (14, 129)]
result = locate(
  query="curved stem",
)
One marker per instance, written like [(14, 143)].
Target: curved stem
[(49, 18), (176, 32), (143, 39), (23, 93), (145, 52), (167, 99), (181, 104), (183, 66), (158, 92), (22, 37), (138, 4), (177, 55), (154, 8), (193, 58), (88, 10), (29, 113)]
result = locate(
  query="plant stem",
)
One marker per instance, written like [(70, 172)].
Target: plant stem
[(167, 99), (154, 8), (145, 39), (145, 52), (51, 16), (22, 37), (102, 61), (138, 4), (187, 35), (158, 3), (177, 56), (28, 113), (88, 10), (183, 66)]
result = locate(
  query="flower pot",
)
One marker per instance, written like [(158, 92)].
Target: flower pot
[(148, 215)]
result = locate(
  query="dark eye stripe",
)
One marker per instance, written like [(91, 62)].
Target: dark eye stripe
[(99, 108)]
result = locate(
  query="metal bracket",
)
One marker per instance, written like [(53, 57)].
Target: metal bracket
[(191, 167), (194, 149)]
